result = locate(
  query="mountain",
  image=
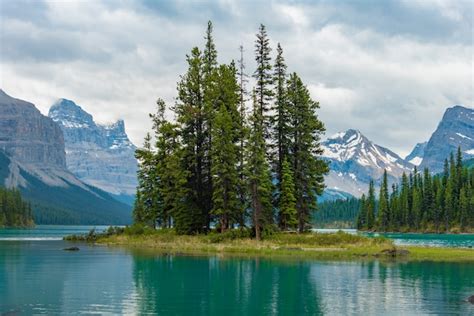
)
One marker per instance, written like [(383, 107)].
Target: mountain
[(355, 160), (417, 154), (99, 155), (33, 159), (455, 129)]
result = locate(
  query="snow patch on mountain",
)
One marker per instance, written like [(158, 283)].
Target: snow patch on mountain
[(355, 160)]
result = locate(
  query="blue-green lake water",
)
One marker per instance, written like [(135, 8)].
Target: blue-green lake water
[(38, 277)]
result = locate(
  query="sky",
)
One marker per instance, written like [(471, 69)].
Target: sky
[(387, 68)]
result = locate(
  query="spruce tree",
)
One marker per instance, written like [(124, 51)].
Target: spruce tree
[(224, 169), (209, 95), (242, 136), (191, 116), (308, 167), (383, 212), (258, 174), (362, 216), (149, 204), (371, 205), (263, 77), (281, 127), (287, 201), (463, 208)]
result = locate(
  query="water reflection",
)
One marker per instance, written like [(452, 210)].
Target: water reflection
[(190, 285), (38, 277)]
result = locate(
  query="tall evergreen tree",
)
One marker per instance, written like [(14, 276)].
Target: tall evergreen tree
[(243, 131), (263, 77), (148, 206), (308, 167), (209, 95), (192, 119), (362, 217), (258, 174), (287, 201), (383, 212), (224, 169), (280, 124), (371, 205)]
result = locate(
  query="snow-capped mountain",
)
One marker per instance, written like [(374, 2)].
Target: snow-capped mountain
[(417, 154), (100, 155), (455, 129), (355, 160)]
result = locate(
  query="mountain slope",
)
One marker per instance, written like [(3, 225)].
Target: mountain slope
[(455, 129), (355, 160), (68, 203), (417, 154), (100, 155), (33, 160)]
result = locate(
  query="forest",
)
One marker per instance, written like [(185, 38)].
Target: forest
[(422, 201), (14, 211), (233, 155), (340, 213)]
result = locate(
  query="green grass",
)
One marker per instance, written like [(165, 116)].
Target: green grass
[(335, 246)]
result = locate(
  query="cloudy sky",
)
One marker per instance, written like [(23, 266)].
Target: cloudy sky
[(387, 68)]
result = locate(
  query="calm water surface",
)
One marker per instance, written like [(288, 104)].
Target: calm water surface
[(38, 277)]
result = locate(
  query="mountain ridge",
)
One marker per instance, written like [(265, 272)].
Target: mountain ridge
[(355, 160), (33, 159), (99, 154)]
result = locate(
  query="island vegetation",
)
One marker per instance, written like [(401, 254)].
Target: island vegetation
[(220, 164), (240, 242), (423, 202), (14, 211)]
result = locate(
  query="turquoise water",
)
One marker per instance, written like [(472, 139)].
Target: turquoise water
[(45, 232), (38, 277), (432, 240), (411, 239)]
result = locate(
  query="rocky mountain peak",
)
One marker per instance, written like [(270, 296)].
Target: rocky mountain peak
[(70, 115), (28, 136), (456, 129), (117, 138), (355, 160), (100, 155)]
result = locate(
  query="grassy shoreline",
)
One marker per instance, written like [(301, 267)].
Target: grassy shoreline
[(333, 246)]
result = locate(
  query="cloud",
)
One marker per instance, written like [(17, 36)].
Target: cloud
[(388, 68)]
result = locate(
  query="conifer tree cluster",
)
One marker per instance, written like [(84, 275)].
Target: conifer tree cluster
[(219, 163), (423, 202), (14, 211)]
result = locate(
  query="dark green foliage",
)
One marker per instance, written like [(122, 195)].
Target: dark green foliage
[(263, 77), (287, 201), (258, 174), (212, 166), (371, 206), (425, 202), (281, 125), (337, 214), (384, 207), (308, 168), (224, 170), (14, 210)]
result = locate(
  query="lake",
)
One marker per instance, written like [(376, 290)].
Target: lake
[(38, 277)]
